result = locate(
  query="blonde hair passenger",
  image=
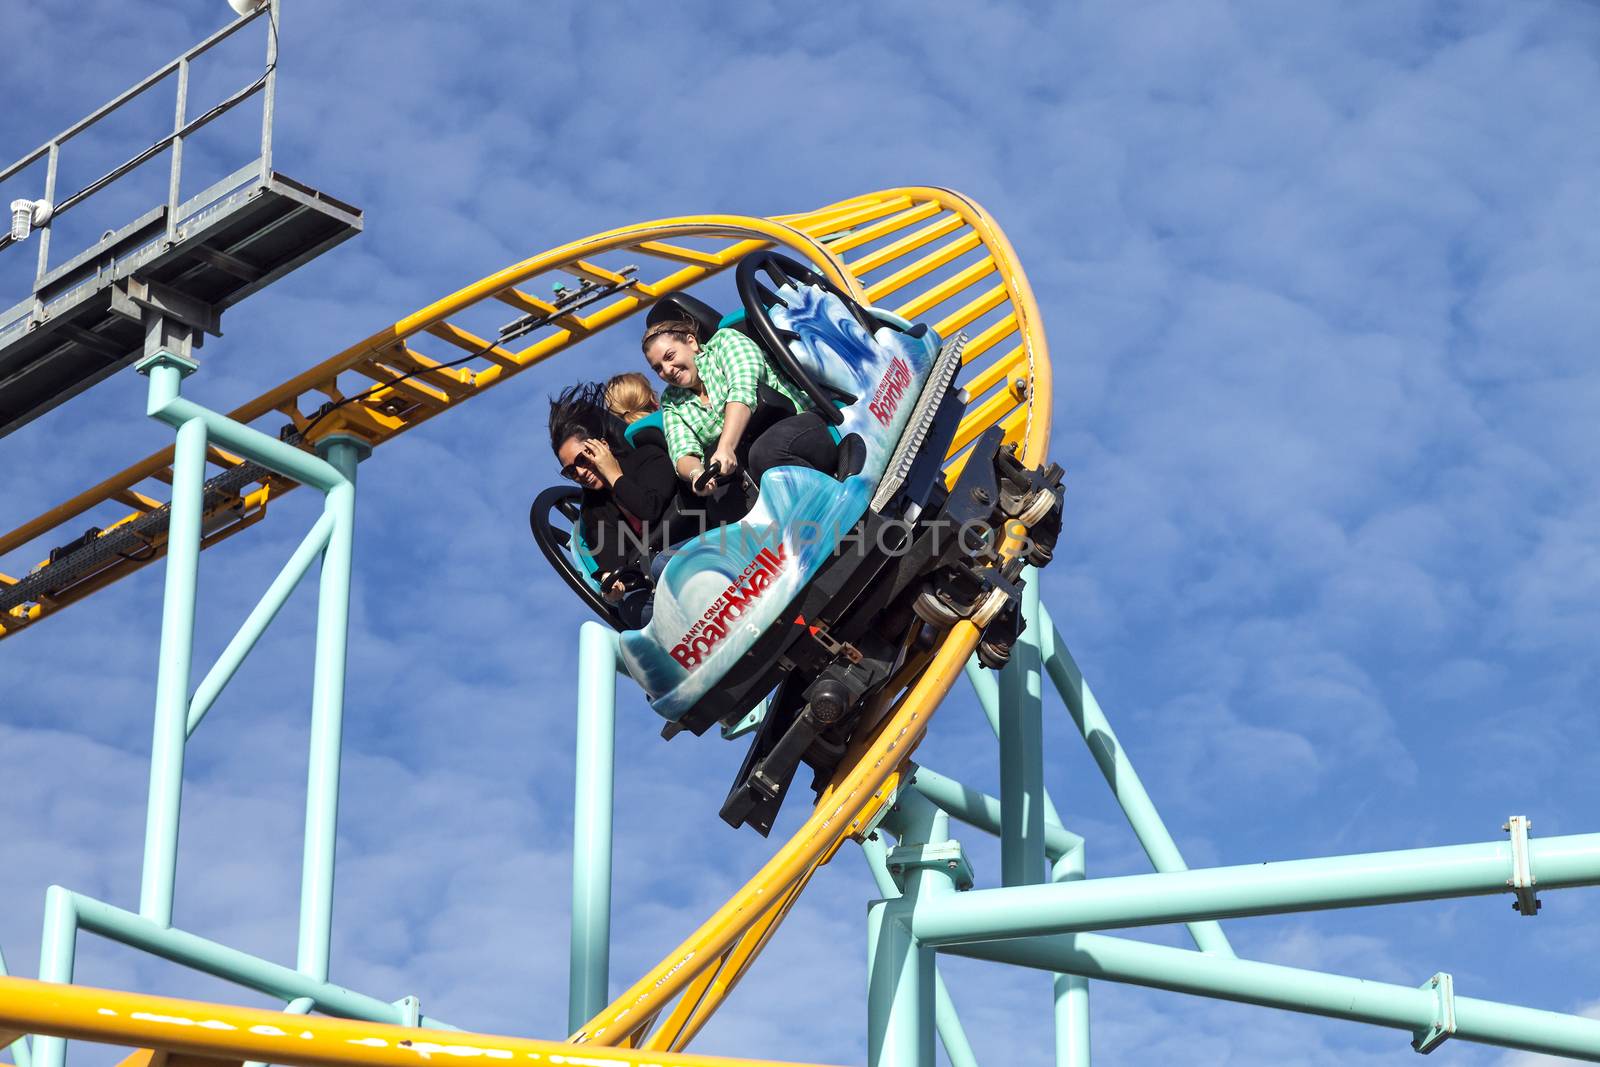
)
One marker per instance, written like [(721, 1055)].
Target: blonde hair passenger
[(630, 397)]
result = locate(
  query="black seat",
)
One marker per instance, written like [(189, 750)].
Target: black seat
[(554, 520), (682, 306), (771, 408)]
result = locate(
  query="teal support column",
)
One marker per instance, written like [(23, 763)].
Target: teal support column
[(1026, 809), (899, 990), (589, 972), (1071, 990), (1411, 1008), (1066, 852), (988, 692), (332, 538), (176, 657), (342, 453), (58, 945), (1022, 751), (1112, 759), (952, 1035), (900, 969), (334, 473), (58, 950)]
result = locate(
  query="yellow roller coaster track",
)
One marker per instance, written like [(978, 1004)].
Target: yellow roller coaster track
[(920, 252)]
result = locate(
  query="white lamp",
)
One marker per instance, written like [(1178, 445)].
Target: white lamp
[(27, 214), (245, 7)]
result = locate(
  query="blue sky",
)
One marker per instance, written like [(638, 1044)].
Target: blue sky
[(1319, 283)]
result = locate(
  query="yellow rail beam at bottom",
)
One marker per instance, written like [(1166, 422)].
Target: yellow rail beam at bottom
[(224, 1032)]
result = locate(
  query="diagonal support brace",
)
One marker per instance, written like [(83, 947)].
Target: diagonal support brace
[(1443, 988)]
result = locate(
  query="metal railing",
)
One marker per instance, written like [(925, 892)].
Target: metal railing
[(182, 127)]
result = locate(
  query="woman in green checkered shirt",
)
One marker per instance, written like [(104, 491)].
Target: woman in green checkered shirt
[(712, 390)]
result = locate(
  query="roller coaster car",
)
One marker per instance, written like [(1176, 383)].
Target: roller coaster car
[(821, 592)]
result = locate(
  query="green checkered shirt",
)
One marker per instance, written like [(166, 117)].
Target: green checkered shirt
[(731, 366)]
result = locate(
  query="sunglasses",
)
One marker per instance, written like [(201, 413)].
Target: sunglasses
[(570, 471)]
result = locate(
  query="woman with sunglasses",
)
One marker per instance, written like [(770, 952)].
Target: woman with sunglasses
[(627, 489)]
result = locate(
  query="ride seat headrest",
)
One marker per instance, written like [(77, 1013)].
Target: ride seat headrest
[(706, 318), (650, 430)]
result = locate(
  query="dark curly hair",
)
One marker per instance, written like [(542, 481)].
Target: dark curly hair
[(580, 411)]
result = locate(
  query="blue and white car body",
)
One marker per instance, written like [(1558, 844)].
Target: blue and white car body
[(726, 587)]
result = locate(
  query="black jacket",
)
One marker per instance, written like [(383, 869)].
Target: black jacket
[(646, 488)]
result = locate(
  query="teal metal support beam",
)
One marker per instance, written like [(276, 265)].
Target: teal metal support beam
[(171, 730), (58, 949), (177, 714), (256, 623), (982, 811), (1112, 759), (165, 404), (341, 453), (1022, 750), (67, 912), (899, 990), (1410, 1008), (1071, 990), (590, 967), (988, 691), (58, 945), (1257, 889), (1065, 850), (334, 473), (901, 998), (952, 1035), (1027, 812)]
